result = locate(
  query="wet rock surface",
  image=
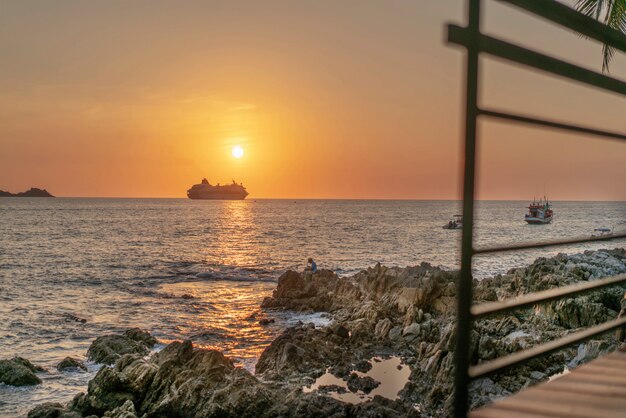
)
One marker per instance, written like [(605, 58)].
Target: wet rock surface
[(70, 363), (365, 384), (109, 348), (18, 371), (52, 410), (381, 312)]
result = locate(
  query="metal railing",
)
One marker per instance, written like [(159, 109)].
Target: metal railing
[(477, 43)]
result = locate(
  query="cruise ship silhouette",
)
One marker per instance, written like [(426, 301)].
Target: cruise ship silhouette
[(206, 190)]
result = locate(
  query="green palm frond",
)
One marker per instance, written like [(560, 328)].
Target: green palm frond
[(610, 12)]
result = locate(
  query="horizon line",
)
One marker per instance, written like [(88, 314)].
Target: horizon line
[(322, 198)]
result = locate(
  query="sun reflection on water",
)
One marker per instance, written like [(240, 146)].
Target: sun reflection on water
[(221, 318), (233, 241)]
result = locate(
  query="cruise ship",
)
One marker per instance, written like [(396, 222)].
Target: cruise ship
[(206, 190)]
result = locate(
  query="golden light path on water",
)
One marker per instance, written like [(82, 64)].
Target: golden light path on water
[(231, 326)]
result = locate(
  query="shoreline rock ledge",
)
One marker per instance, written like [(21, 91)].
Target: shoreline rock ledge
[(380, 313)]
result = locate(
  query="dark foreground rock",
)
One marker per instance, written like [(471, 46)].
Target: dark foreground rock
[(70, 363), (181, 381), (365, 384), (410, 312), (52, 410), (109, 348), (381, 312), (19, 372)]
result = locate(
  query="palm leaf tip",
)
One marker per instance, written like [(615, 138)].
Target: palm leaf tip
[(610, 12)]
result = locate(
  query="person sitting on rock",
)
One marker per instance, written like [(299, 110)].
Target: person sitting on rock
[(311, 266)]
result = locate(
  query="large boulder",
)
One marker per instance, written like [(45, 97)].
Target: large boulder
[(298, 350), (382, 328), (141, 336), (179, 381), (109, 348), (70, 363), (128, 380), (318, 291), (19, 372)]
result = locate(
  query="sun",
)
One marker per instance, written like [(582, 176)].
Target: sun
[(237, 152)]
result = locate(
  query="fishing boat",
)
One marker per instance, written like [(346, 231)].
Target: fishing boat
[(539, 212), (455, 223)]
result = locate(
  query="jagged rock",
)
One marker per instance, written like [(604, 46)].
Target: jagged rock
[(299, 350), (537, 375), (19, 372), (486, 348), (52, 410), (382, 328), (363, 366), (419, 316), (365, 384), (339, 330), (580, 312), (127, 410), (178, 381), (266, 321), (332, 388), (109, 348), (320, 291), (395, 333), (484, 391), (411, 331), (139, 335), (588, 351), (360, 329), (70, 363)]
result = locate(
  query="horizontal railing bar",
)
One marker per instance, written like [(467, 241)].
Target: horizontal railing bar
[(571, 19), (514, 53), (520, 357), (550, 124), (555, 243), (543, 296)]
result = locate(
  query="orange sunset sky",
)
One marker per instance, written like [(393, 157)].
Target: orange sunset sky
[(328, 99)]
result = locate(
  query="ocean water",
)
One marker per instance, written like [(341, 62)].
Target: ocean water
[(74, 269)]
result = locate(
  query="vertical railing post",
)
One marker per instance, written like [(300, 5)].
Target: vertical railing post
[(464, 288)]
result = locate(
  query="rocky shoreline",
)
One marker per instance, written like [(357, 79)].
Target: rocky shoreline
[(379, 315)]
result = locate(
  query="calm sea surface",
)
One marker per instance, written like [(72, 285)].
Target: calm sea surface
[(198, 269)]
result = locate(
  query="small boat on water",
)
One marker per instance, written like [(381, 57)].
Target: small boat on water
[(602, 232), (539, 212), (455, 223)]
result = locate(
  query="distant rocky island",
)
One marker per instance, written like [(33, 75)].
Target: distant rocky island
[(33, 192)]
